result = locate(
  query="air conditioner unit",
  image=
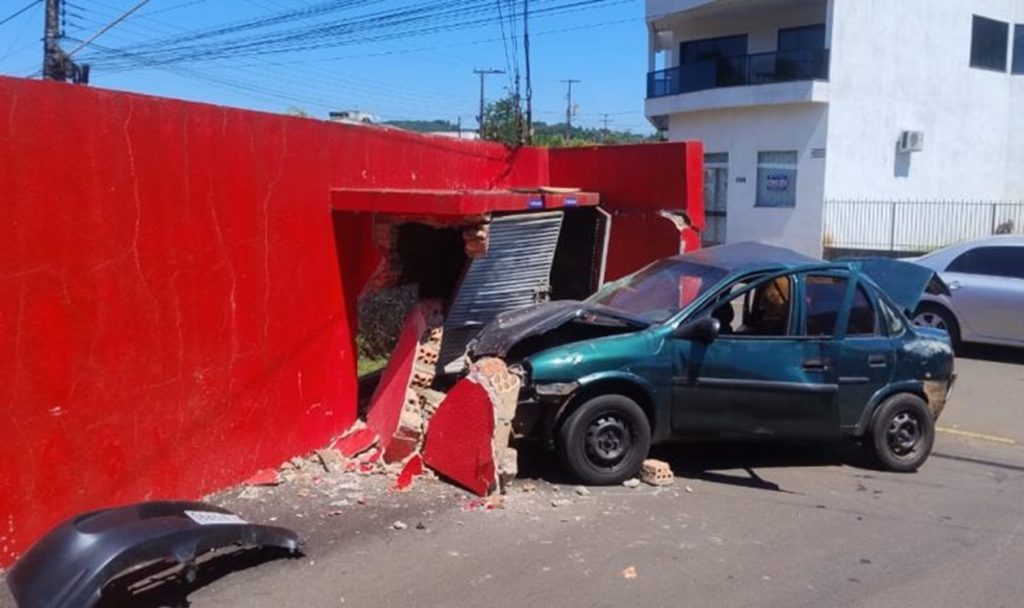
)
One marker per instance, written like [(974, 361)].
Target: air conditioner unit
[(910, 141)]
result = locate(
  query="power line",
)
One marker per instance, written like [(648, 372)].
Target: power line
[(20, 11), (107, 28)]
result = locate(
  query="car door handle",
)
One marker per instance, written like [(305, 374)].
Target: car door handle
[(878, 360), (815, 364), (954, 285)]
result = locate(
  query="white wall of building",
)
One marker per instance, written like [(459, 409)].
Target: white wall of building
[(904, 65), (742, 133)]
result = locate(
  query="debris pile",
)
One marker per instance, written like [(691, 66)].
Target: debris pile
[(462, 434)]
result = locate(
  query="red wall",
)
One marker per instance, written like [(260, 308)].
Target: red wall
[(173, 314), (176, 295), (636, 182)]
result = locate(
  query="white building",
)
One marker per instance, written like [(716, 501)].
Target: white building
[(823, 119)]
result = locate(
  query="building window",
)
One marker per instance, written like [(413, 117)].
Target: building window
[(716, 184), (776, 179), (1018, 48), (804, 37), (712, 49), (989, 44)]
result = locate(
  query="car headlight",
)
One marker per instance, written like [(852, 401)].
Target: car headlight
[(555, 389)]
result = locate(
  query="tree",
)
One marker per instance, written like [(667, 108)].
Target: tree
[(500, 126), (500, 119)]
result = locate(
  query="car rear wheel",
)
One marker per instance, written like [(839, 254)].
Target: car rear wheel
[(938, 317), (605, 440), (902, 433)]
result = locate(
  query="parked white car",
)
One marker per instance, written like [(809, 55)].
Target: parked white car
[(986, 285)]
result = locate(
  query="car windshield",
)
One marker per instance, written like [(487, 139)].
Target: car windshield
[(659, 290)]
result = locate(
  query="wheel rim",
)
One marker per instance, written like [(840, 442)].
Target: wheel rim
[(904, 433), (609, 438), (930, 319)]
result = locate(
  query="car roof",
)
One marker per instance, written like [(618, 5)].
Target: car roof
[(748, 256), (940, 257)]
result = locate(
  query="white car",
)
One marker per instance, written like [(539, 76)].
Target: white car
[(986, 291)]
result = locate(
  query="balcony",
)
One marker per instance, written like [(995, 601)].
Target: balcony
[(755, 69)]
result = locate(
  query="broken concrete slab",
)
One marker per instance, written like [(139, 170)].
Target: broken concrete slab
[(412, 469), (459, 438), (356, 441)]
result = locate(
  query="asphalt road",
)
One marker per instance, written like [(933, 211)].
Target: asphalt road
[(762, 525)]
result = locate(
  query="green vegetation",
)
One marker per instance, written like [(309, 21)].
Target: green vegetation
[(501, 120)]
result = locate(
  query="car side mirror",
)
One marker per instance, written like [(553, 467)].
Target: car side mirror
[(704, 329)]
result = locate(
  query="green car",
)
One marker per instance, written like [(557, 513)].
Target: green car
[(743, 340)]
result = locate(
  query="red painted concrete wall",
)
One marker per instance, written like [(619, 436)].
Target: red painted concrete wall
[(177, 297), (173, 314), (636, 182)]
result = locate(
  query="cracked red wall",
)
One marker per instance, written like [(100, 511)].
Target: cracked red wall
[(174, 315), (177, 296)]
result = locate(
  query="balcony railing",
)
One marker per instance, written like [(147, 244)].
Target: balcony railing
[(759, 68)]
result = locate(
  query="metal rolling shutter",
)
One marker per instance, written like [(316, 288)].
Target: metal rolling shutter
[(515, 272)]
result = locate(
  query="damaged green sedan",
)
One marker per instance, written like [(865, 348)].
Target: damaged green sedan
[(743, 340)]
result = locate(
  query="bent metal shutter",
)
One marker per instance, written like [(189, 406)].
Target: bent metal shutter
[(515, 272)]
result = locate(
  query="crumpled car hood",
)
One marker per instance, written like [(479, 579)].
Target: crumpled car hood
[(510, 328)]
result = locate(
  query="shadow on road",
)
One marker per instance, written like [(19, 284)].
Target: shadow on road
[(734, 464), (995, 354)]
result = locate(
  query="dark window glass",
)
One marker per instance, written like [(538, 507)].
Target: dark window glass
[(892, 319), (988, 43), (824, 298), (862, 315), (1018, 49), (991, 261), (711, 49), (806, 37), (762, 311), (659, 290)]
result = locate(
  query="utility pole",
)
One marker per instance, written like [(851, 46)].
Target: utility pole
[(568, 108), (529, 83), (54, 60), (57, 64), (605, 120), (483, 74)]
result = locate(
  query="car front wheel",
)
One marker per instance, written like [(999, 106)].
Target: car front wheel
[(902, 433), (605, 440)]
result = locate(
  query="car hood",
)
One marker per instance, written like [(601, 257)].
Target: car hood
[(511, 328), (904, 282)]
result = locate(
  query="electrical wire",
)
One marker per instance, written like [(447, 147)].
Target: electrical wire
[(18, 12)]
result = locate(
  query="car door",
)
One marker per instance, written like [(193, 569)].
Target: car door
[(845, 311), (758, 377), (987, 287)]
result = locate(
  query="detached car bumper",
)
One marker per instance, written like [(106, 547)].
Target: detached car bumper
[(69, 567)]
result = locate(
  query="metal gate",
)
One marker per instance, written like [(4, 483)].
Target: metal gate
[(515, 272)]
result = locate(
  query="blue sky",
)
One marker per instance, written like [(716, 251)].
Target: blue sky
[(409, 77)]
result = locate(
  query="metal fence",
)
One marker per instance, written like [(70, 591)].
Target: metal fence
[(916, 226)]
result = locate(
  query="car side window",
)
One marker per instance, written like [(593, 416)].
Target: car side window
[(823, 297), (894, 324), (760, 312), (995, 261)]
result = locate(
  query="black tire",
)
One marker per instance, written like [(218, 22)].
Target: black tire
[(929, 314), (605, 440), (902, 433)]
